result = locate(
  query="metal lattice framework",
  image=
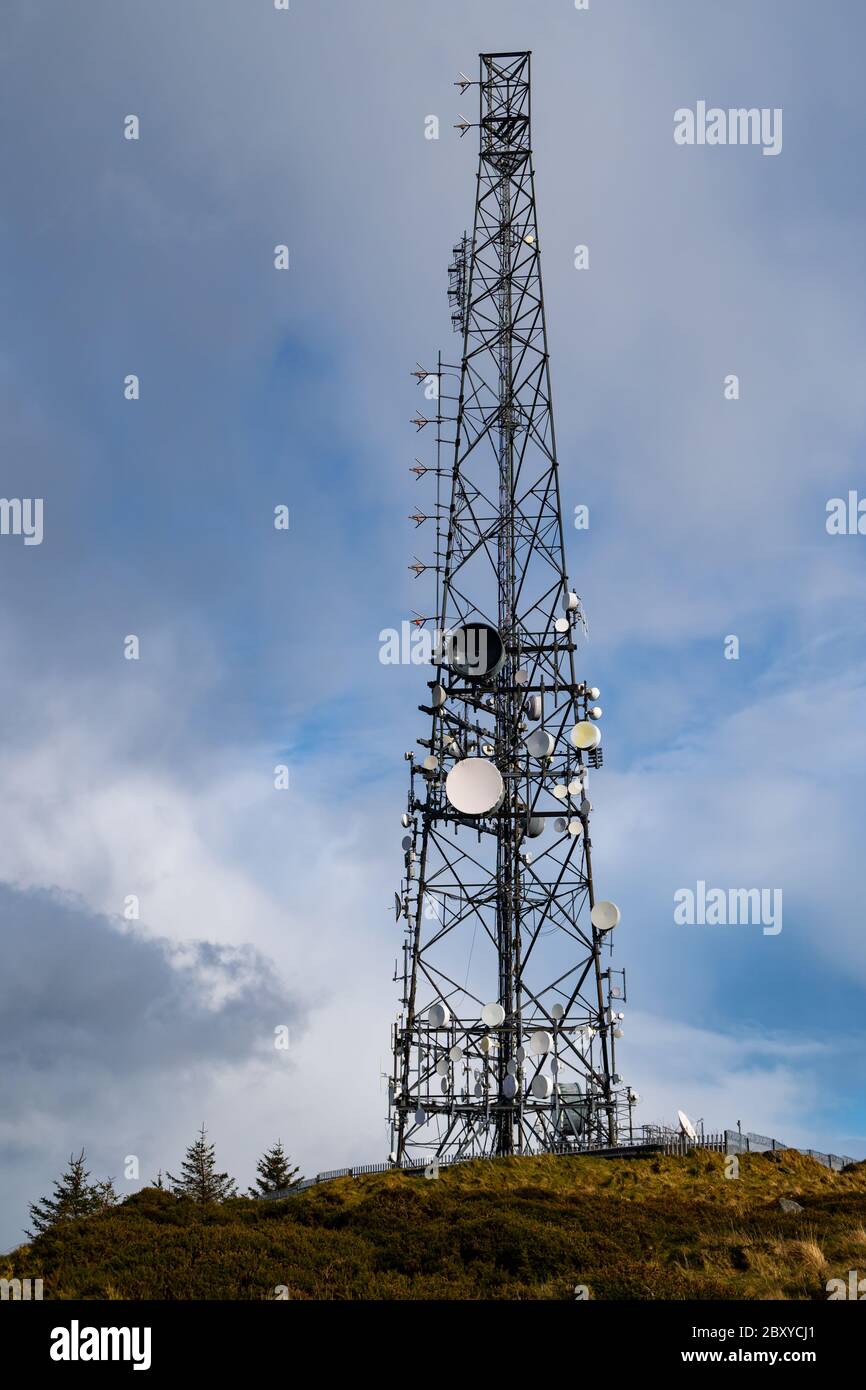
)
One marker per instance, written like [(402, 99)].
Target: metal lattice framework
[(506, 1039)]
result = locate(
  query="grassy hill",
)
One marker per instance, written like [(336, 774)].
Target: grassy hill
[(522, 1228)]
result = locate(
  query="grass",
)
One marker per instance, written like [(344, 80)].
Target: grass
[(658, 1228)]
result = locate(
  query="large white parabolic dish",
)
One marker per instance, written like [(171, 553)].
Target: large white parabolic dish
[(605, 916), (585, 735), (474, 786)]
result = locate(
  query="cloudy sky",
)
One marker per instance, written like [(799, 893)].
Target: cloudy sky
[(262, 908)]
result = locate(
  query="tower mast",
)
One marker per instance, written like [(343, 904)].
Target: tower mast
[(506, 1040)]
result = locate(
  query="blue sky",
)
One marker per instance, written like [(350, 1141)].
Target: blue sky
[(258, 388)]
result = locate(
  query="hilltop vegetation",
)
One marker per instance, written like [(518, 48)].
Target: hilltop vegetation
[(522, 1228)]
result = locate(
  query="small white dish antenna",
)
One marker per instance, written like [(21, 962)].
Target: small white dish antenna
[(405, 820), (540, 1043), (540, 744), (420, 1116), (521, 677), (398, 907), (575, 827), (562, 625), (593, 693), (431, 763), (521, 1054), (571, 602), (479, 1089), (439, 1016), (456, 1053), (407, 841), (561, 792), (575, 788), (442, 1068), (560, 825), (586, 735), (533, 707), (475, 787), (509, 1087), (445, 1084), (557, 1012), (605, 916), (438, 696), (492, 1016), (686, 1125), (511, 1068), (541, 1087), (535, 827)]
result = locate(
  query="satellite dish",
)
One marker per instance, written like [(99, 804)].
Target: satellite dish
[(398, 907), (444, 1084), (521, 1054), (686, 1125), (593, 693), (596, 712), (541, 1087), (605, 916), (557, 1012), (405, 820), (479, 1089), (556, 1066), (561, 792), (575, 827), (509, 1087), (511, 1068), (617, 1032), (493, 1015), (533, 707), (431, 763), (475, 651), (438, 696), (407, 842), (535, 827), (575, 788), (540, 1043), (570, 602), (439, 1016), (475, 787), (585, 735), (616, 992), (521, 677), (485, 1045), (540, 744), (442, 1067), (420, 1116), (560, 825), (456, 1053)]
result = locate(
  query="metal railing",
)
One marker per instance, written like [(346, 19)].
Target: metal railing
[(729, 1141)]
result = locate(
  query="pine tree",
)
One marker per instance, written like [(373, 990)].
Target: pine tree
[(275, 1172), (199, 1178), (74, 1195), (158, 1182)]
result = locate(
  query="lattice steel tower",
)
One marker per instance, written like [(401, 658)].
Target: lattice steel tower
[(506, 1039)]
